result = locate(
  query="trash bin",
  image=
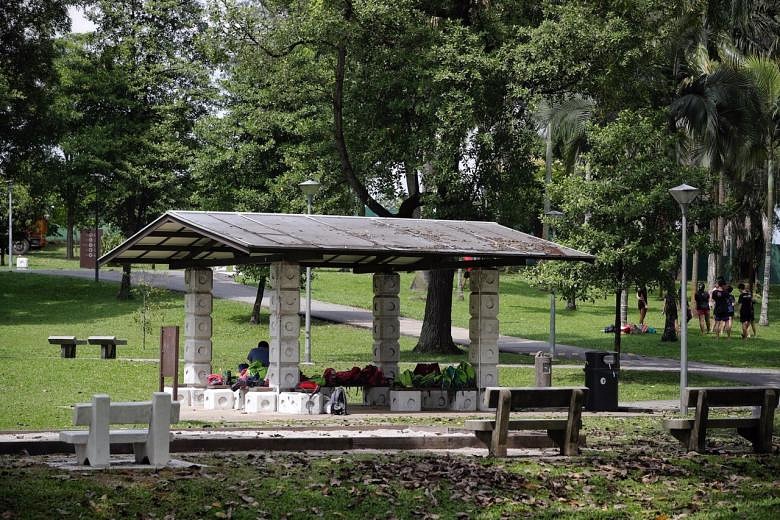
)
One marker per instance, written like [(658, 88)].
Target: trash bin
[(601, 377), (543, 366)]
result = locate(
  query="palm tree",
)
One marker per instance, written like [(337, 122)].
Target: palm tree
[(764, 73), (718, 110), (562, 125)]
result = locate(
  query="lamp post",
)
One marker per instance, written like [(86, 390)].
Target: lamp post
[(684, 195), (10, 226), (553, 217), (310, 189)]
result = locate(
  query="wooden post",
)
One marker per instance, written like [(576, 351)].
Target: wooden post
[(500, 430)]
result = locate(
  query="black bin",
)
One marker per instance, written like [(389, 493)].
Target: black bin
[(601, 377)]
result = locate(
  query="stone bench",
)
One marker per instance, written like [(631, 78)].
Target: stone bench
[(151, 445), (67, 344), (692, 433), (107, 345), (565, 433)]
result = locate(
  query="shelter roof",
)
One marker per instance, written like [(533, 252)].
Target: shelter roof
[(366, 244)]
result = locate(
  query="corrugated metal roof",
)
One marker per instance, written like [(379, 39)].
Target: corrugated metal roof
[(212, 238)]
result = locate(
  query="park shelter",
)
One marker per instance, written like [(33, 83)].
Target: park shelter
[(199, 240)]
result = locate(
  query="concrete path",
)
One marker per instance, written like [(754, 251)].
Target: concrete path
[(226, 288)]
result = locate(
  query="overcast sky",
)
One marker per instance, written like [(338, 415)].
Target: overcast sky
[(79, 24)]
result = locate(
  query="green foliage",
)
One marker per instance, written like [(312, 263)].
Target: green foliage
[(624, 214), (257, 369), (151, 302), (460, 377)]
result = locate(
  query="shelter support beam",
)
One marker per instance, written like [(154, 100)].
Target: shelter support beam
[(284, 326), (387, 323), (483, 326), (197, 325)]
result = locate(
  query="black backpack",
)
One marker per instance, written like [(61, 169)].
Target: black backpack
[(338, 402)]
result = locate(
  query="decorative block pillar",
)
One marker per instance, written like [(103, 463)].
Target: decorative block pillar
[(197, 326), (387, 324), (483, 326), (284, 326)]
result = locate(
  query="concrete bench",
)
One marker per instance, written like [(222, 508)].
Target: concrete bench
[(107, 345), (150, 446), (67, 344), (692, 433), (565, 433)]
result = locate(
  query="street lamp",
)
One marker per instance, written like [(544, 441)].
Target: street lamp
[(310, 189), (553, 217), (684, 195), (10, 226)]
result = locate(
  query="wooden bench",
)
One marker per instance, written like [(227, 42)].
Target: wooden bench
[(151, 445), (107, 345), (565, 433), (692, 433), (67, 344)]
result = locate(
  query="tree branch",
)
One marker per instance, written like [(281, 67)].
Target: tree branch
[(341, 146)]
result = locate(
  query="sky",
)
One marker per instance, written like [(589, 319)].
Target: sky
[(79, 24)]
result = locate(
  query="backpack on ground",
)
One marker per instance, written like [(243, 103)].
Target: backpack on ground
[(337, 405)]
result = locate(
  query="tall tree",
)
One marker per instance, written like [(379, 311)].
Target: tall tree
[(27, 33), (631, 217), (145, 94), (764, 74)]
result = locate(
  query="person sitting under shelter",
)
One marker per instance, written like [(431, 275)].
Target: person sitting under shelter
[(259, 353)]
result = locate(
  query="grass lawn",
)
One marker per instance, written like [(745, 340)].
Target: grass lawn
[(33, 307), (525, 312), (628, 470)]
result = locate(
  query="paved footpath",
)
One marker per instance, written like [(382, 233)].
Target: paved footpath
[(226, 288)]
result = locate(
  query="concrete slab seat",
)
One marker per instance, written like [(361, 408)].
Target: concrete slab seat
[(67, 344), (565, 433), (692, 433), (107, 345), (150, 445)]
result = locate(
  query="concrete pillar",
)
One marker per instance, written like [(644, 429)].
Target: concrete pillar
[(284, 326), (387, 325), (197, 326), (483, 325)]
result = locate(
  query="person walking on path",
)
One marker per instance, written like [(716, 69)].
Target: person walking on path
[(746, 312), (641, 296), (721, 307), (702, 300)]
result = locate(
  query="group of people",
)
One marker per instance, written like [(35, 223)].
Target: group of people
[(718, 302), (721, 301)]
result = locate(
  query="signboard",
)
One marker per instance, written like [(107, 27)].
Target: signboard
[(169, 357), (88, 248)]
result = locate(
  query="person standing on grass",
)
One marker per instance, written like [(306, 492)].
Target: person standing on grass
[(641, 296), (721, 307), (746, 312), (702, 300)]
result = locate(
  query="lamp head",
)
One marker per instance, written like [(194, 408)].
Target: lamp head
[(554, 215), (310, 187), (684, 194)]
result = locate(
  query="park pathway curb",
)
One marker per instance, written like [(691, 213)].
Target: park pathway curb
[(226, 288)]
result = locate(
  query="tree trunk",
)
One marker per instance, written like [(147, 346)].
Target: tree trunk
[(623, 306), (547, 180), (69, 219), (769, 227), (124, 287), (255, 318), (436, 334), (571, 303), (711, 267), (719, 267), (670, 313)]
